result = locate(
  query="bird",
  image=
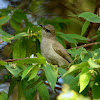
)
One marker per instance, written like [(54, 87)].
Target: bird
[(51, 49)]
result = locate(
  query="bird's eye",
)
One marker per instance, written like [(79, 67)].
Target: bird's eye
[(47, 30)]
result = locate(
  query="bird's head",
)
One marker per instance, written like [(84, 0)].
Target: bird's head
[(48, 31)]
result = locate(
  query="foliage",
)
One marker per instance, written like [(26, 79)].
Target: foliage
[(82, 76)]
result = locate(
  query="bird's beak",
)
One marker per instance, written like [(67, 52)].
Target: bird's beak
[(42, 26)]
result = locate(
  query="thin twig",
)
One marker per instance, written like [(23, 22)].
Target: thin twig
[(86, 45)]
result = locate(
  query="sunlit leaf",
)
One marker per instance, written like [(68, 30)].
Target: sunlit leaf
[(76, 67), (34, 72), (2, 63), (26, 71), (20, 35), (93, 64), (6, 39), (27, 61), (41, 58), (84, 78)]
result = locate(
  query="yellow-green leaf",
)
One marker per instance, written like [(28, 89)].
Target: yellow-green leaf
[(84, 78)]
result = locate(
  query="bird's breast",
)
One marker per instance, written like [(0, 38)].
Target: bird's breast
[(46, 46), (47, 50)]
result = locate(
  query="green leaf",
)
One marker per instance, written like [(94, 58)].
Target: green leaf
[(76, 52), (2, 63), (68, 78), (61, 41), (76, 67), (35, 29), (72, 52), (84, 28), (90, 17), (14, 71), (26, 71), (20, 35), (83, 54), (41, 58), (4, 20), (5, 12), (66, 37), (84, 78), (87, 56), (30, 92), (50, 75), (27, 61), (93, 64), (74, 84), (6, 39), (34, 72), (19, 50), (96, 88), (5, 34), (12, 86), (3, 96), (43, 92), (76, 36), (16, 26), (17, 19), (97, 54)]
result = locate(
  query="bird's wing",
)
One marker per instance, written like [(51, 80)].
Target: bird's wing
[(59, 49)]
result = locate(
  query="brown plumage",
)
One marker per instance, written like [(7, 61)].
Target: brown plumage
[(51, 49)]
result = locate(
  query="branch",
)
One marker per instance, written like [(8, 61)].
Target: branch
[(11, 60), (86, 45)]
